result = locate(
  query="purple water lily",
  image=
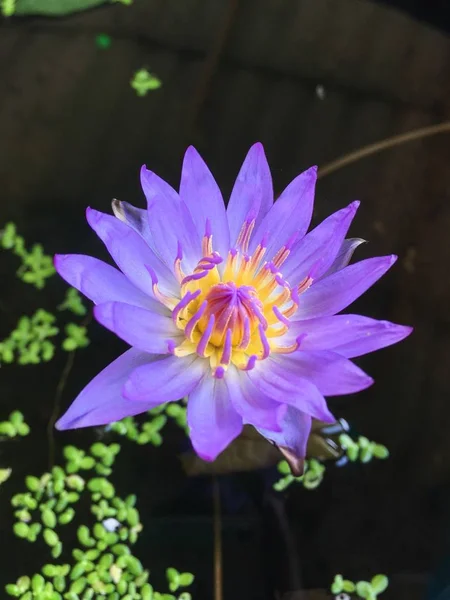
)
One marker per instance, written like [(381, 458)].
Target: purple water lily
[(233, 307)]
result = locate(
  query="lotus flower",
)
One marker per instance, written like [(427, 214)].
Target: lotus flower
[(233, 307)]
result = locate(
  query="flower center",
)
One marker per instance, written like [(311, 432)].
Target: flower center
[(233, 311)]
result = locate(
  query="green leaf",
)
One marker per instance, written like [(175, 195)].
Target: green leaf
[(284, 468), (348, 586), (379, 583), (13, 590), (5, 474), (336, 586), (49, 518), (51, 537), (186, 579), (380, 451), (364, 589), (21, 529), (37, 584)]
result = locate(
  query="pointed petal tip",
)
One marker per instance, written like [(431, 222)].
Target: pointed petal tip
[(205, 457), (92, 215), (58, 259), (257, 147), (64, 423), (296, 463)]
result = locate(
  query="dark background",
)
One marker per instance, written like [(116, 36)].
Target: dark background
[(73, 133)]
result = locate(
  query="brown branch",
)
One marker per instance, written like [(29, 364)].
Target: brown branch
[(56, 405), (218, 584), (57, 400), (396, 140)]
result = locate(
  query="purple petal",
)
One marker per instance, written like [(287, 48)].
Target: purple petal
[(347, 335), (293, 438), (101, 401), (167, 380), (199, 190), (315, 252), (279, 381), (331, 373), (141, 328), (252, 195), (344, 255), (254, 406), (131, 253), (291, 214), (213, 422), (171, 226), (136, 218), (332, 294), (101, 282), (153, 186)]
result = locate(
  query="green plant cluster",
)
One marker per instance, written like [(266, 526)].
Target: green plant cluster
[(73, 302), (362, 449), (311, 478), (36, 266), (14, 426), (150, 431), (143, 82), (29, 342), (364, 589), (103, 566)]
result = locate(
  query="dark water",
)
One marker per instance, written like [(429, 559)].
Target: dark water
[(73, 133)]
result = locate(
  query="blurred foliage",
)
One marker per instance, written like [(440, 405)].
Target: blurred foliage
[(150, 431), (311, 479), (14, 426), (36, 266), (364, 589), (143, 82), (54, 8), (29, 342)]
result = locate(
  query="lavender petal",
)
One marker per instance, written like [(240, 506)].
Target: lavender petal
[(200, 192), (169, 379), (252, 195), (334, 293), (101, 402), (141, 328), (213, 421), (315, 253)]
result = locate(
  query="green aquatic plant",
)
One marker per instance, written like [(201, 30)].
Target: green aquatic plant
[(150, 431), (36, 266), (73, 302), (362, 449), (364, 589), (76, 337), (29, 342), (14, 426), (311, 478), (103, 565), (143, 81)]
